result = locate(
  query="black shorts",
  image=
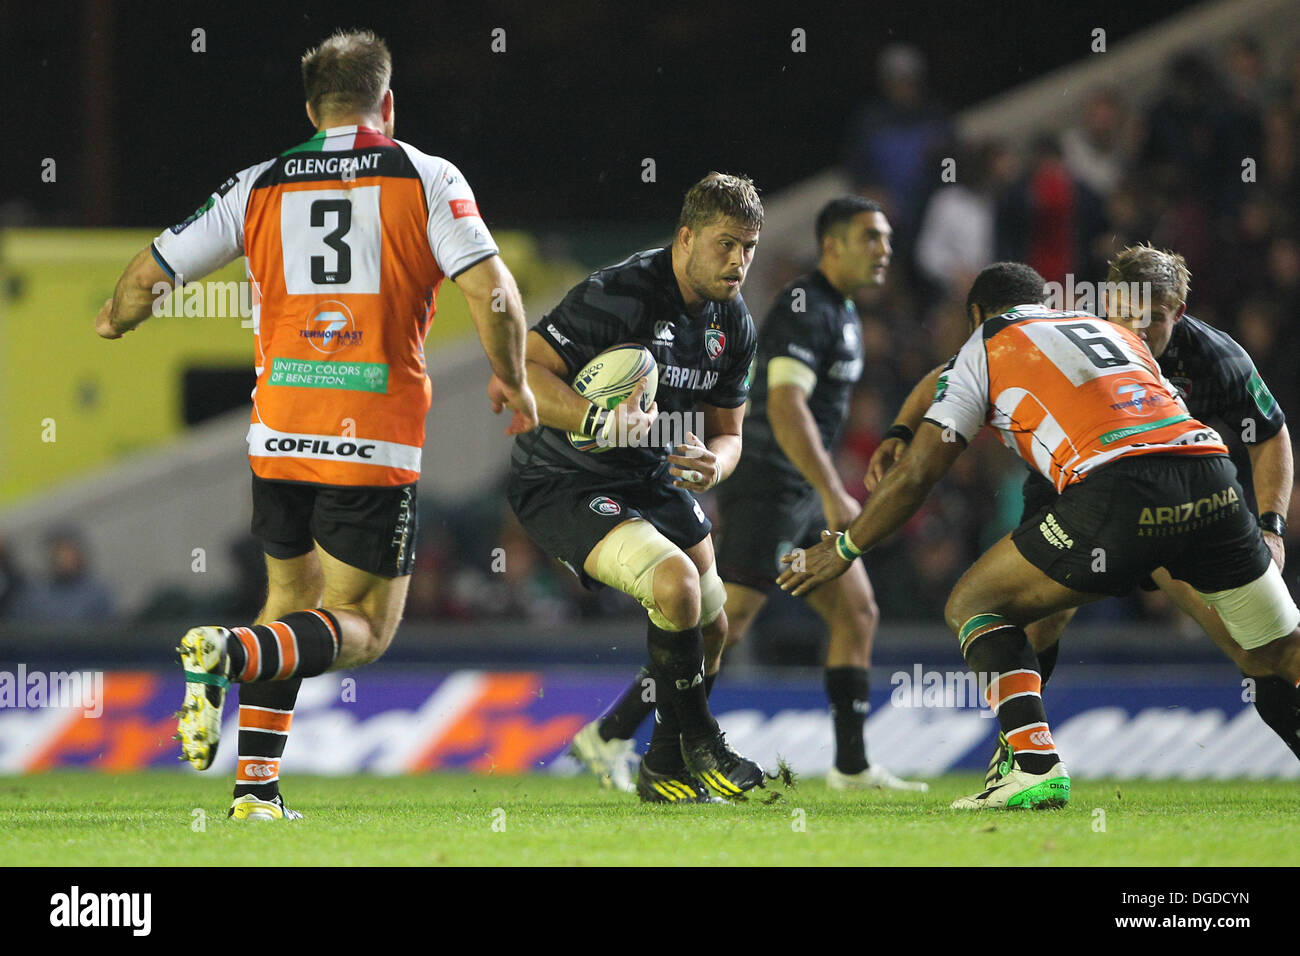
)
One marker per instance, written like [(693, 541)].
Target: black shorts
[(1038, 493), (764, 517), (1184, 513), (568, 515), (373, 529)]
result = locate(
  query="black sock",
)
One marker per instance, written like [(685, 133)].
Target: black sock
[(236, 656), (1047, 660), (265, 713), (677, 660), (300, 644), (664, 755), (1278, 703), (848, 689), (634, 706), (1001, 656)]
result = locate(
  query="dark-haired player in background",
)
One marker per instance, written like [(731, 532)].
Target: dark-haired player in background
[(625, 517), (786, 489)]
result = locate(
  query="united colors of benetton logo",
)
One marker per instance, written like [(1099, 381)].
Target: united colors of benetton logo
[(605, 506), (714, 342)]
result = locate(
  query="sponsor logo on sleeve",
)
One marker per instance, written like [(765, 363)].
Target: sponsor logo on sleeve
[(184, 224), (463, 208), (1264, 400)]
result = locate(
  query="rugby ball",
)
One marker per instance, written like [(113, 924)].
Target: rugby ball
[(609, 378)]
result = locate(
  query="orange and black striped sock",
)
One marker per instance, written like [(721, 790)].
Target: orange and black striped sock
[(265, 714), (999, 652), (301, 644)]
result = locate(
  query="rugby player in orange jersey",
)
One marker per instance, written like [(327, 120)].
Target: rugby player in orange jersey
[(1142, 485), (347, 237), (1221, 387)]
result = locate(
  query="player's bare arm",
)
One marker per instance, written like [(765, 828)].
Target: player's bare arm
[(133, 299), (1273, 470), (796, 432), (498, 313), (909, 417), (713, 458), (897, 498), (559, 406)]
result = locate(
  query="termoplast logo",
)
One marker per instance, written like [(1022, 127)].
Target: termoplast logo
[(332, 329), (605, 506), (1135, 398)]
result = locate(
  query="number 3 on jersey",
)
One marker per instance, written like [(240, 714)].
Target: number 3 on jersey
[(331, 240)]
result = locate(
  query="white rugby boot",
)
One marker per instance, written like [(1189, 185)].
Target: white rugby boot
[(609, 760), (1020, 790), (873, 778)]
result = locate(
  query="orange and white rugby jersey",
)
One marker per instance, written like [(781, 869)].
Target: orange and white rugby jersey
[(1067, 392), (347, 238)]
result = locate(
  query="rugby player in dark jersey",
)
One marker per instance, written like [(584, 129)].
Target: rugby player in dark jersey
[(625, 516), (786, 488), (1221, 387)]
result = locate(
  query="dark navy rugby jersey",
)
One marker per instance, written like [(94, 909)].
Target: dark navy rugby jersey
[(1219, 382), (1222, 388), (814, 323), (703, 358)]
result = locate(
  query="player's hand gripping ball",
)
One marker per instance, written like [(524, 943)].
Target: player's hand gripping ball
[(606, 381)]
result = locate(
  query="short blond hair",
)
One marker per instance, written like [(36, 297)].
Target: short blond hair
[(721, 196), (349, 72), (1166, 272)]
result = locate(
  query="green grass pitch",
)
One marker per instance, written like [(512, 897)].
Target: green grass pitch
[(83, 819)]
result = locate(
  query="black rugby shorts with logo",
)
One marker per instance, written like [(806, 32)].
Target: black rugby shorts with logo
[(373, 529), (568, 514), (1185, 513)]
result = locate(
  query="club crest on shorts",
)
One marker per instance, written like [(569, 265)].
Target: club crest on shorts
[(714, 342), (605, 506)]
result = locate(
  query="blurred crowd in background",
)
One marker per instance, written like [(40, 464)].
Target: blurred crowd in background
[(1209, 167)]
